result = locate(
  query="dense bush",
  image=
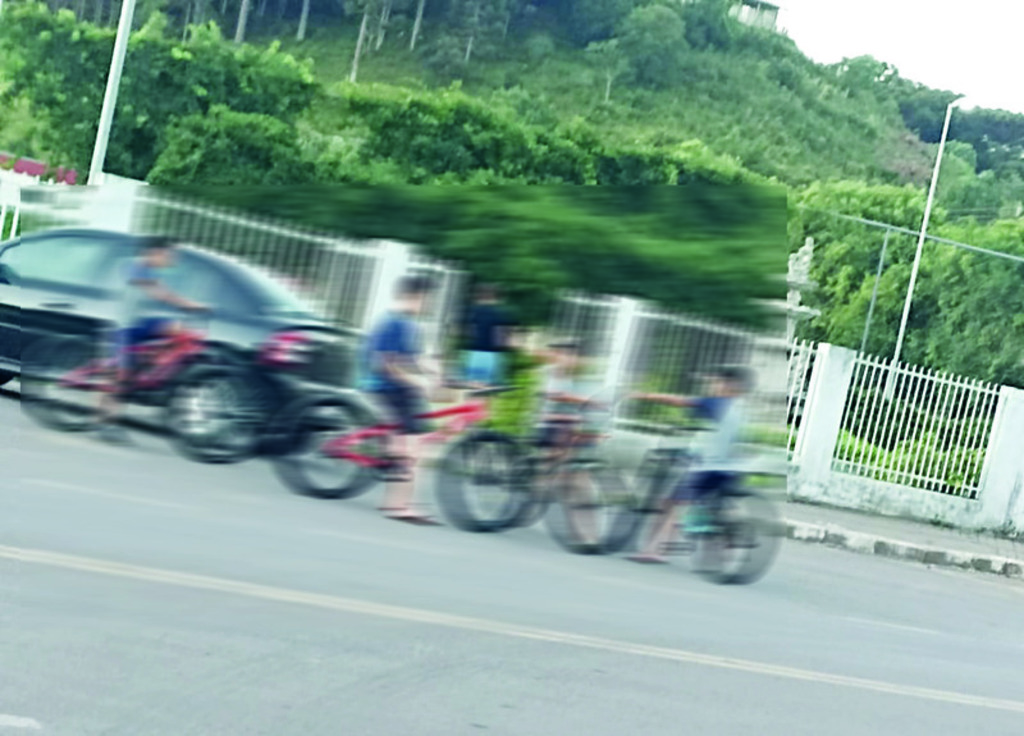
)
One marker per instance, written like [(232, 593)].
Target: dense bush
[(226, 148)]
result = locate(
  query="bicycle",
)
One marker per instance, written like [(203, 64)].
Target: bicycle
[(206, 400), (333, 433), (743, 523), (534, 478)]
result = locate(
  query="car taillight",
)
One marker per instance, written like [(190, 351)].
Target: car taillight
[(286, 350)]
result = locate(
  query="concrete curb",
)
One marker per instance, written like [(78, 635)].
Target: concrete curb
[(871, 544)]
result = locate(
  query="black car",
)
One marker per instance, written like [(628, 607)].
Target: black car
[(66, 283)]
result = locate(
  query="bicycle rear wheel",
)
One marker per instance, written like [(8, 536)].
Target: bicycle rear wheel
[(303, 466), (46, 394), (478, 484), (746, 543)]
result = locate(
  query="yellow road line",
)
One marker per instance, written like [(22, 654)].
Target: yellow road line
[(415, 615)]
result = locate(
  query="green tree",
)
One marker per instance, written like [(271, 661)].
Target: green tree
[(609, 61), (653, 38), (596, 20), (708, 24), (59, 66)]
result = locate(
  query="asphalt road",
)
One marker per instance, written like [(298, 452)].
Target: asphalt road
[(142, 594)]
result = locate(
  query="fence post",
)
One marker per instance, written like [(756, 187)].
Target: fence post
[(1002, 480), (392, 262), (620, 346), (823, 414), (113, 206)]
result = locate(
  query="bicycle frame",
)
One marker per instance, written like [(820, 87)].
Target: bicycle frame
[(169, 355), (460, 417)]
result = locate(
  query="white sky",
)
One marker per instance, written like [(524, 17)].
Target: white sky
[(975, 48)]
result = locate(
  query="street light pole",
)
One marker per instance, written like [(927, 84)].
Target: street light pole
[(99, 153), (920, 246)]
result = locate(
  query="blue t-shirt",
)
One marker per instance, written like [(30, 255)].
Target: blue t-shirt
[(718, 447), (396, 334), (135, 305)]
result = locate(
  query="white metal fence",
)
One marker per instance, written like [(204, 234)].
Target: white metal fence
[(933, 434), (636, 344)]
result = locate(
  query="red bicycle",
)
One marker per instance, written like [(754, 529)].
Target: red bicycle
[(205, 399), (330, 452)]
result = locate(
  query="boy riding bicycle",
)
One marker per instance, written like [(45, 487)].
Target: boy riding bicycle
[(394, 374), (715, 460), (139, 321)]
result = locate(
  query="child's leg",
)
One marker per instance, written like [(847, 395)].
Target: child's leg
[(661, 532)]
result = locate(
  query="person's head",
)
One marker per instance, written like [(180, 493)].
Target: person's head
[(568, 354), (158, 252), (487, 293), (731, 381), (412, 294)]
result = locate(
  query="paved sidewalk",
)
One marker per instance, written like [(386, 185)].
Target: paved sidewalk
[(904, 539)]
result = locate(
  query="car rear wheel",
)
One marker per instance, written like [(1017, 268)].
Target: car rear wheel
[(213, 416)]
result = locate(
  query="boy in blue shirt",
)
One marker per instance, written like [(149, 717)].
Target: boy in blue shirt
[(393, 372), (145, 302)]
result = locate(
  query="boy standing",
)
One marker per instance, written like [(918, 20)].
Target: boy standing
[(396, 376)]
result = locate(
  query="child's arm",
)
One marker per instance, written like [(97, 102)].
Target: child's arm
[(682, 402)]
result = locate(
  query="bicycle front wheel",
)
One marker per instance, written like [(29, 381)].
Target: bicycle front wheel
[(478, 488), (303, 466), (598, 509), (747, 538)]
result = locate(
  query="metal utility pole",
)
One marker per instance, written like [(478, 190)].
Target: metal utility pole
[(99, 153)]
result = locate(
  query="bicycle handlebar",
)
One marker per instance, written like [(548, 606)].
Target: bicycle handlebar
[(487, 391)]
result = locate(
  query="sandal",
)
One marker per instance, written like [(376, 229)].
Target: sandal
[(418, 519), (647, 559)]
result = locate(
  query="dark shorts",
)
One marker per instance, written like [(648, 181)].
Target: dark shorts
[(405, 405), (698, 486), (151, 328)]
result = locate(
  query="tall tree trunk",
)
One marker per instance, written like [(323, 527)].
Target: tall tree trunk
[(385, 16), (504, 29), (609, 77), (359, 44), (199, 13), (243, 21), (282, 6), (184, 26), (303, 21), (474, 26), (263, 8), (97, 12), (417, 24), (223, 7), (80, 10)]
